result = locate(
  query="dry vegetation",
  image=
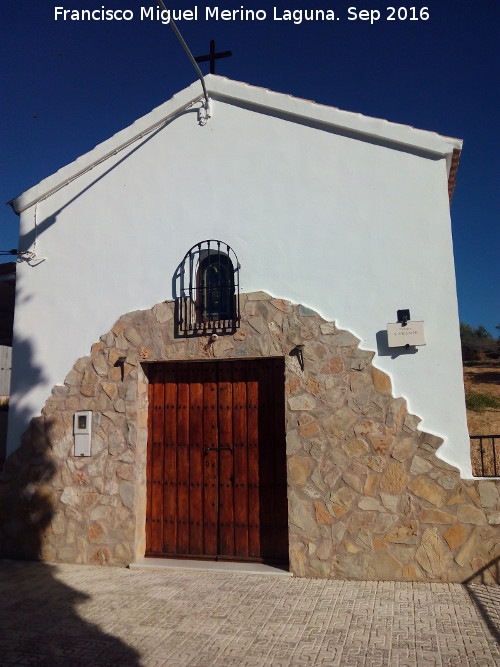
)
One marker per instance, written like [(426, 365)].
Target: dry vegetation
[(483, 378)]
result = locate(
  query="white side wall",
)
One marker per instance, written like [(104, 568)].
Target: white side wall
[(352, 229)]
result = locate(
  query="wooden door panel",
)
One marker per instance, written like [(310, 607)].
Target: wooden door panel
[(210, 458), (225, 459), (216, 460), (240, 464), (170, 462), (183, 447), (196, 460), (156, 474), (253, 468)]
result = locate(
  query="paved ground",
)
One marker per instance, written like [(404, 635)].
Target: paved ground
[(70, 615)]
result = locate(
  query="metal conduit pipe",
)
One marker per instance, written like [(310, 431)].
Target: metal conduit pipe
[(190, 55)]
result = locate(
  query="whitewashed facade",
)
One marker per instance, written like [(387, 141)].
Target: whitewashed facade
[(345, 214)]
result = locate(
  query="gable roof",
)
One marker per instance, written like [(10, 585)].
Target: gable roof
[(258, 99)]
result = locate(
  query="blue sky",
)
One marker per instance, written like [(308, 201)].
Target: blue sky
[(68, 85)]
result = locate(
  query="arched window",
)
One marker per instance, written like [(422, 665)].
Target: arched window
[(209, 289), (215, 288)]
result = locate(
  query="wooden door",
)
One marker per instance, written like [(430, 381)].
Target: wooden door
[(216, 461)]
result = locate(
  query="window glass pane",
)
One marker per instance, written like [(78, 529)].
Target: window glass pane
[(216, 287)]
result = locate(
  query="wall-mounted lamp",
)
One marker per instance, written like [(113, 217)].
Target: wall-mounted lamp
[(121, 363), (404, 332), (403, 316), (298, 350)]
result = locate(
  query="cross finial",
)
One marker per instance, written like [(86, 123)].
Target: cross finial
[(213, 56)]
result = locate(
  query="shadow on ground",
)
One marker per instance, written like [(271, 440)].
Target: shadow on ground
[(489, 574), (41, 624)]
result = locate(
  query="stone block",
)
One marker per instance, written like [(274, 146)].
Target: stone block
[(298, 558), (322, 514), (350, 547), (96, 532), (433, 441), (394, 479), (340, 422), (257, 296), (78, 497), (96, 348), (411, 423), (390, 501), (386, 566), (309, 430), (344, 339), (428, 490), (371, 505), (133, 336), (72, 378), (299, 469), (324, 550), (353, 481), (101, 556), (378, 545), (360, 359), (66, 554), (334, 365), (435, 516), (304, 311), (376, 463), (404, 533), (488, 493), (470, 514), (315, 352), (344, 496), (354, 448), (282, 305), (89, 383), (455, 536), (313, 386), (371, 483), (302, 402), (119, 405), (381, 381), (351, 566), (404, 449), (433, 554), (467, 552), (457, 497), (100, 363), (122, 553), (447, 481), (301, 516), (162, 312), (127, 494), (109, 389)]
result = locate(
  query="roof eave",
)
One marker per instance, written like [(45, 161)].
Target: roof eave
[(263, 99)]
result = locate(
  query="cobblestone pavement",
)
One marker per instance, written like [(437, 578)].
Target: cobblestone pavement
[(75, 615)]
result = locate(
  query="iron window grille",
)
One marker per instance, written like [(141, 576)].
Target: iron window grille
[(209, 289)]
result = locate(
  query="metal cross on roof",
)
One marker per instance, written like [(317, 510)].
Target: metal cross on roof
[(213, 56)]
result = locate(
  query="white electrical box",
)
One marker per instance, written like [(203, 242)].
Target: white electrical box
[(82, 430), (411, 333)]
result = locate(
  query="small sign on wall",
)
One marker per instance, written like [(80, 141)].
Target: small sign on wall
[(400, 334)]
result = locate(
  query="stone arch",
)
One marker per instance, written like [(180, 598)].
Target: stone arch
[(368, 498)]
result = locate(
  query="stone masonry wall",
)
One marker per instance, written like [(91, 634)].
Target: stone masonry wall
[(368, 498)]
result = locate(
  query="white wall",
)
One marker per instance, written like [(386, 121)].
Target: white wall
[(350, 228)]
